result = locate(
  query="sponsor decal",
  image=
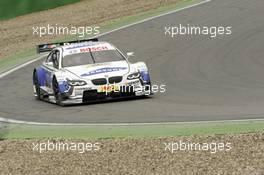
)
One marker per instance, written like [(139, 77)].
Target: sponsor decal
[(79, 46), (88, 47), (94, 49), (109, 88), (103, 70), (96, 64)]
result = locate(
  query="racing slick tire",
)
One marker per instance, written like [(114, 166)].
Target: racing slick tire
[(36, 83), (57, 94)]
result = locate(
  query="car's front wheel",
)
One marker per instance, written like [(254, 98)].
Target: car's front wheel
[(57, 94), (36, 84)]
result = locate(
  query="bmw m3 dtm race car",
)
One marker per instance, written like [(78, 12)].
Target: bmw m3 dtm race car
[(88, 70)]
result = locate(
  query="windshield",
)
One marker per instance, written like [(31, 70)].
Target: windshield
[(91, 58)]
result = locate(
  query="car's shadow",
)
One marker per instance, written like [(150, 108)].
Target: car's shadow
[(117, 100)]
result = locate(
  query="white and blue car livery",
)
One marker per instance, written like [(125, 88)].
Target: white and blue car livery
[(88, 70)]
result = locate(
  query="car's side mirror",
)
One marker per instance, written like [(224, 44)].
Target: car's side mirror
[(130, 54)]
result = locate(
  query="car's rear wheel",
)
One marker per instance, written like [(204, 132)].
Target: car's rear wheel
[(57, 94), (36, 84)]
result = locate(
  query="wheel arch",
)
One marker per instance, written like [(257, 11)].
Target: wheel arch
[(62, 84), (40, 75)]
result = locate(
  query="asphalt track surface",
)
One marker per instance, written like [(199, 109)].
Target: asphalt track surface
[(206, 79)]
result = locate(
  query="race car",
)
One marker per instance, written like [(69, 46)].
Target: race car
[(88, 70)]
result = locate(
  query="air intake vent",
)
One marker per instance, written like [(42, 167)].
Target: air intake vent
[(116, 79), (99, 81)]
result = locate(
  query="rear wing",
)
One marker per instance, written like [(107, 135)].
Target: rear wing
[(48, 47)]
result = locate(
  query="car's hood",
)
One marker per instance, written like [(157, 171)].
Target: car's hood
[(100, 70)]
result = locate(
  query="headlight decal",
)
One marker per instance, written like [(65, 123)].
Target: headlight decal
[(133, 76), (76, 82)]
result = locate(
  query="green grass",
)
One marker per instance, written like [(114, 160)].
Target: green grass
[(13, 8), (29, 54), (23, 131)]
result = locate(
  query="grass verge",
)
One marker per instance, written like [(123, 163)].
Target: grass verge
[(13, 8), (25, 131)]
